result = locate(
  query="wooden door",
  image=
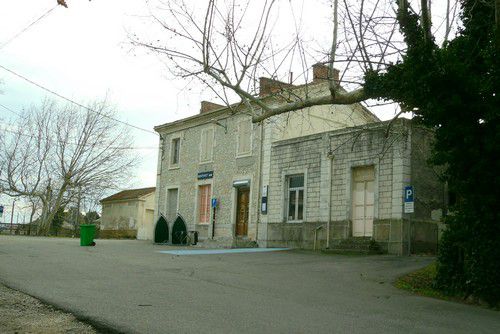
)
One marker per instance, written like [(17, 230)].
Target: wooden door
[(242, 212), (363, 201)]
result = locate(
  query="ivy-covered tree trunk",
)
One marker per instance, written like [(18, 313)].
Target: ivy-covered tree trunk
[(453, 89)]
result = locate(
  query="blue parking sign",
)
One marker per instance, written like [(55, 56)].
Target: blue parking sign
[(409, 194), (409, 200)]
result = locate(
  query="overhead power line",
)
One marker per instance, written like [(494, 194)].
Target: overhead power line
[(27, 27), (9, 109), (73, 101), (75, 144)]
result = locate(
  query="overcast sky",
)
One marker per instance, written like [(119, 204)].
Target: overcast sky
[(82, 53)]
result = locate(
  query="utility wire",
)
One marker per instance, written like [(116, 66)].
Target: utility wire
[(27, 27), (74, 102), (77, 145), (12, 111), (69, 143)]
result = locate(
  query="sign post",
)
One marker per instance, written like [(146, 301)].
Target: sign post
[(214, 207), (409, 208)]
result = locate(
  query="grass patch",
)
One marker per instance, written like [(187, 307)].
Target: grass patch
[(421, 282)]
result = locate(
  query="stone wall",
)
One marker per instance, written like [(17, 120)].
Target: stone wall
[(328, 159), (120, 215), (116, 234), (430, 192), (226, 167)]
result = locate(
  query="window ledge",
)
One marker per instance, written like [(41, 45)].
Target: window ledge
[(174, 167), (243, 155), (295, 221)]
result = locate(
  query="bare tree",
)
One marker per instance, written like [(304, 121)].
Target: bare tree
[(230, 44), (56, 151)]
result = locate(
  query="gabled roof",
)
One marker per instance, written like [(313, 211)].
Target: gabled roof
[(129, 194), (209, 116)]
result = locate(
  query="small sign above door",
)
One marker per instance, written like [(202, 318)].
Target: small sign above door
[(205, 175)]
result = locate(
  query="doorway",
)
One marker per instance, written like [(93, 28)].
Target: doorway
[(161, 231), (363, 201), (242, 205)]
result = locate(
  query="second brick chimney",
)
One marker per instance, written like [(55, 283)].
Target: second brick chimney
[(268, 86), (320, 73), (209, 106)]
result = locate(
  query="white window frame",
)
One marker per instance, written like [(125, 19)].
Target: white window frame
[(173, 165), (297, 191), (250, 140), (202, 136)]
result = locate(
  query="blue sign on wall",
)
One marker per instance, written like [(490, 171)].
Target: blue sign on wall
[(205, 175), (214, 202)]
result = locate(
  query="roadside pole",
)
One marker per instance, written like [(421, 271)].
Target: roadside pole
[(409, 208), (12, 215), (214, 208)]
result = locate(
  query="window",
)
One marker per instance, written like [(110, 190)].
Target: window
[(175, 151), (204, 203), (244, 143), (206, 145), (296, 197)]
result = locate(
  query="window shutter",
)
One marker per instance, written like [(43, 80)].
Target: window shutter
[(206, 145), (210, 143), (244, 136)]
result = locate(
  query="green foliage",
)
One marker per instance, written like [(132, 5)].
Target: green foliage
[(454, 90), (420, 281), (57, 221), (91, 217)]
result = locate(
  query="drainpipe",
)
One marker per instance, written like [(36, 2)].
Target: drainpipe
[(259, 177), (331, 157)]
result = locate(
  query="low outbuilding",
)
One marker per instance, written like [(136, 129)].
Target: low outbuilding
[(128, 214)]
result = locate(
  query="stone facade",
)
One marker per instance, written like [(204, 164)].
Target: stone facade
[(226, 167), (398, 157)]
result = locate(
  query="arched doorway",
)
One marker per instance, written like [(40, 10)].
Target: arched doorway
[(179, 232), (161, 231)]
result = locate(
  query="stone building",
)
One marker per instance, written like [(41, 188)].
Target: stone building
[(128, 214), (330, 188), (214, 168)]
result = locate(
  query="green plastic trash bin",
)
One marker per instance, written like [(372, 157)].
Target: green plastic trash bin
[(87, 233)]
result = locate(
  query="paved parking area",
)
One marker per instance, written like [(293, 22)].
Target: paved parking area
[(130, 287)]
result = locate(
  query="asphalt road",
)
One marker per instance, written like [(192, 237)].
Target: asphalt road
[(129, 286)]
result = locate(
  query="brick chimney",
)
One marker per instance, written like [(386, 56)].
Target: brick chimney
[(268, 86), (209, 106), (320, 73)]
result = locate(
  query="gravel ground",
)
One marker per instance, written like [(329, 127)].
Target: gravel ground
[(20, 313)]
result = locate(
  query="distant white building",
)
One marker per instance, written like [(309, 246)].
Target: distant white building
[(128, 214)]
